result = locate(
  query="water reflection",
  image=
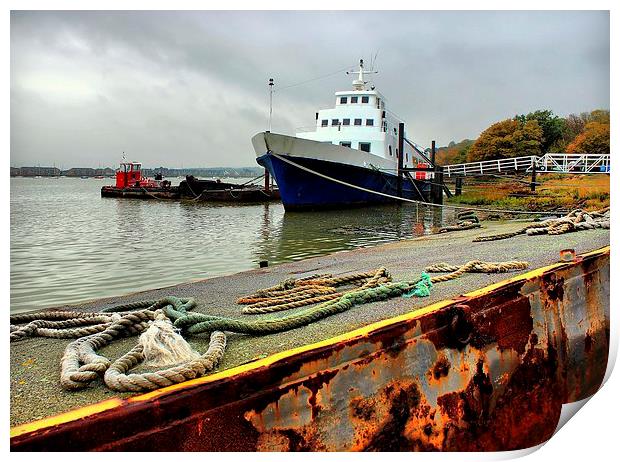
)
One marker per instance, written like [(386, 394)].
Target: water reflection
[(300, 235), (129, 220)]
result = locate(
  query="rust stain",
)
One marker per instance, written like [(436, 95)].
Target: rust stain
[(441, 367), (397, 401), (553, 286)]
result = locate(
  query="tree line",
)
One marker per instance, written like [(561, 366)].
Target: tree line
[(533, 134)]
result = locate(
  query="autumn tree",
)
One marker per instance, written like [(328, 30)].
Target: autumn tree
[(599, 115), (508, 138), (575, 124), (593, 140), (552, 126), (495, 142), (534, 134), (528, 139), (454, 153)]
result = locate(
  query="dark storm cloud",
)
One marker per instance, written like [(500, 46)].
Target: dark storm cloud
[(189, 88)]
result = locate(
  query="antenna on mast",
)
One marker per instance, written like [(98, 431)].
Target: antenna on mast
[(358, 84), (270, 102), (374, 61)]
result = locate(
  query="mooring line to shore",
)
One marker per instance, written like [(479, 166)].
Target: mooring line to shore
[(577, 220), (413, 201)]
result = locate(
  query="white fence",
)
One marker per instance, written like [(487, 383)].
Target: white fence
[(552, 162)]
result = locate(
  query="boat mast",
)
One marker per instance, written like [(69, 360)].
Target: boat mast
[(270, 101), (359, 83)]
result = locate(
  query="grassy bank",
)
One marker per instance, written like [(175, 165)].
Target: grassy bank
[(554, 192)]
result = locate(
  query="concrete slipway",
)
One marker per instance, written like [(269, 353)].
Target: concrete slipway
[(36, 393)]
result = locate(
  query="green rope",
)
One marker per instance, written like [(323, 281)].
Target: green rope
[(198, 323), (422, 287)]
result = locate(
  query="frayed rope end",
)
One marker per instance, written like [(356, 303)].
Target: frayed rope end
[(162, 345)]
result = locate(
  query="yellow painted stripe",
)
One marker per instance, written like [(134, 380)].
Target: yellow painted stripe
[(65, 417), (265, 362), (532, 274)]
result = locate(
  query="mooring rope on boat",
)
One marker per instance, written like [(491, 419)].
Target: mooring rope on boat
[(69, 327), (161, 322), (80, 364), (474, 266), (150, 194), (197, 323), (273, 301), (577, 220), (117, 379), (321, 289), (272, 306), (404, 199), (288, 295), (466, 220)]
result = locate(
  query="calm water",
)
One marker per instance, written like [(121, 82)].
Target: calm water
[(69, 245)]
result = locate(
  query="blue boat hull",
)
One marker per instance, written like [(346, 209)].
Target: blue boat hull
[(303, 190)]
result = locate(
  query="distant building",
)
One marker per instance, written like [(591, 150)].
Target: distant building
[(213, 172), (37, 171), (79, 171), (104, 172)]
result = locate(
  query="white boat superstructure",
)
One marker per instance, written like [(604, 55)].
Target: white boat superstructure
[(350, 156), (360, 121)]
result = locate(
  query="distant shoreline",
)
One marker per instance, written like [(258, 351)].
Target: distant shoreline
[(78, 172)]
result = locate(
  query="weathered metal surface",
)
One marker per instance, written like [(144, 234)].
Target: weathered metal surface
[(486, 372)]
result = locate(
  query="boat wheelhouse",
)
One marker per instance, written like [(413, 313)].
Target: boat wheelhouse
[(359, 120), (349, 157)]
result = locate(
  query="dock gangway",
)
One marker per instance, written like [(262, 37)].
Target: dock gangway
[(551, 162)]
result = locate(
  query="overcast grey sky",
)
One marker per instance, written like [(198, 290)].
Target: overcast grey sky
[(190, 88)]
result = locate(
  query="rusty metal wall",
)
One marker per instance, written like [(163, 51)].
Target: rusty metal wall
[(485, 372)]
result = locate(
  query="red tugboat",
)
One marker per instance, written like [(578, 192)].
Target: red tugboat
[(129, 175), (131, 183)]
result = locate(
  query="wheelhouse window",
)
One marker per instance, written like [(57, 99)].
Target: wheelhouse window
[(369, 122), (346, 144), (353, 99), (334, 122), (346, 121), (324, 123), (365, 147), (390, 149), (364, 99), (343, 100), (358, 121)]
